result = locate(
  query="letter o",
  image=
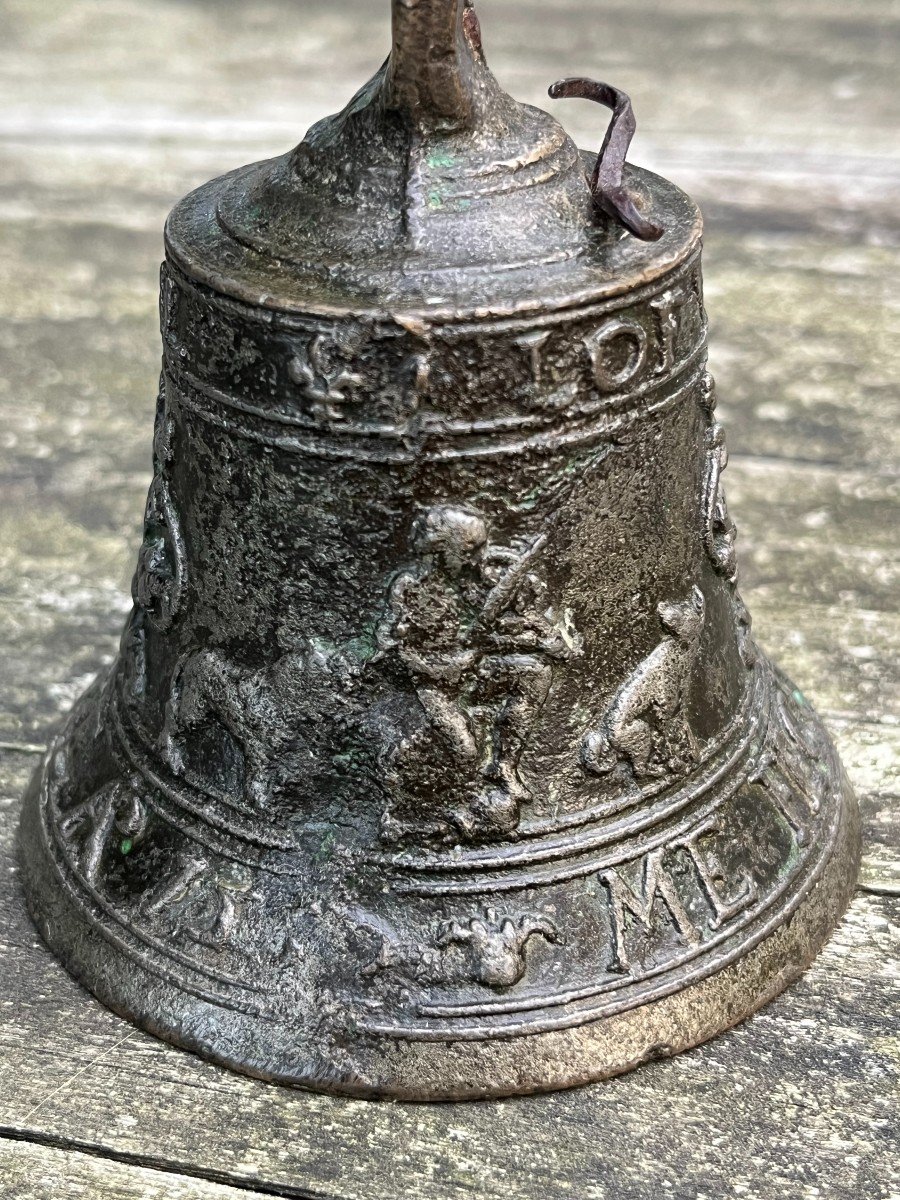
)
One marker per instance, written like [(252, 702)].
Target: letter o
[(608, 378)]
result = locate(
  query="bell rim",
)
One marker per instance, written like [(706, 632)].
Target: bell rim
[(386, 1068)]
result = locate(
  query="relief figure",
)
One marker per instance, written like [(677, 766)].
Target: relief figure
[(719, 531), (160, 577), (262, 709), (478, 638), (646, 724)]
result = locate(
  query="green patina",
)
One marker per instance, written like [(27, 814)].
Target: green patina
[(440, 158), (326, 845), (364, 646), (361, 648)]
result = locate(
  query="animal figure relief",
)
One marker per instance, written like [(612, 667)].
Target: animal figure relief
[(496, 946), (477, 636), (89, 827), (647, 717), (262, 710)]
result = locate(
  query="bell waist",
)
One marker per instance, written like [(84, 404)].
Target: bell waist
[(549, 850)]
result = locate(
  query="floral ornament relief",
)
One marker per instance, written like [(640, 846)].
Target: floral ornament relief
[(322, 378), (494, 946)]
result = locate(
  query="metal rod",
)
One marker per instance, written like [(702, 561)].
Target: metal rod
[(432, 61)]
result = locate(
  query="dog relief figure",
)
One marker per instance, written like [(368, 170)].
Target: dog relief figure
[(647, 713), (263, 710)]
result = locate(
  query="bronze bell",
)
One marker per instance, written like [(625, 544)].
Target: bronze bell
[(438, 760)]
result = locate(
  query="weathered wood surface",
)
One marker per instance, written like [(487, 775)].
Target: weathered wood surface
[(781, 118), (31, 1172)]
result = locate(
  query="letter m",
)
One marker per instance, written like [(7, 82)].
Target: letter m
[(656, 885)]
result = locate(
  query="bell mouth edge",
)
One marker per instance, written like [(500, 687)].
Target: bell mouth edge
[(527, 1064)]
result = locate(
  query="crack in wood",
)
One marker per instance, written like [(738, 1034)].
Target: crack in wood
[(164, 1166)]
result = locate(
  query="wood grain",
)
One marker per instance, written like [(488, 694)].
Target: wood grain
[(33, 1172)]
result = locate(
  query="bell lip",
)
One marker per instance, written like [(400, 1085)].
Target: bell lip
[(562, 1059), (198, 244)]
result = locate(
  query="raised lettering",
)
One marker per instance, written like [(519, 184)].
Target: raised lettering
[(666, 308), (709, 872), (655, 884), (605, 347), (544, 391), (533, 345)]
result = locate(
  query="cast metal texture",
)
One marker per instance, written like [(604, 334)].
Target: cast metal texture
[(439, 760)]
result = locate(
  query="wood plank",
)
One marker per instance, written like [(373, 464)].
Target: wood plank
[(870, 753), (107, 63), (804, 346), (814, 535), (33, 1172)]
